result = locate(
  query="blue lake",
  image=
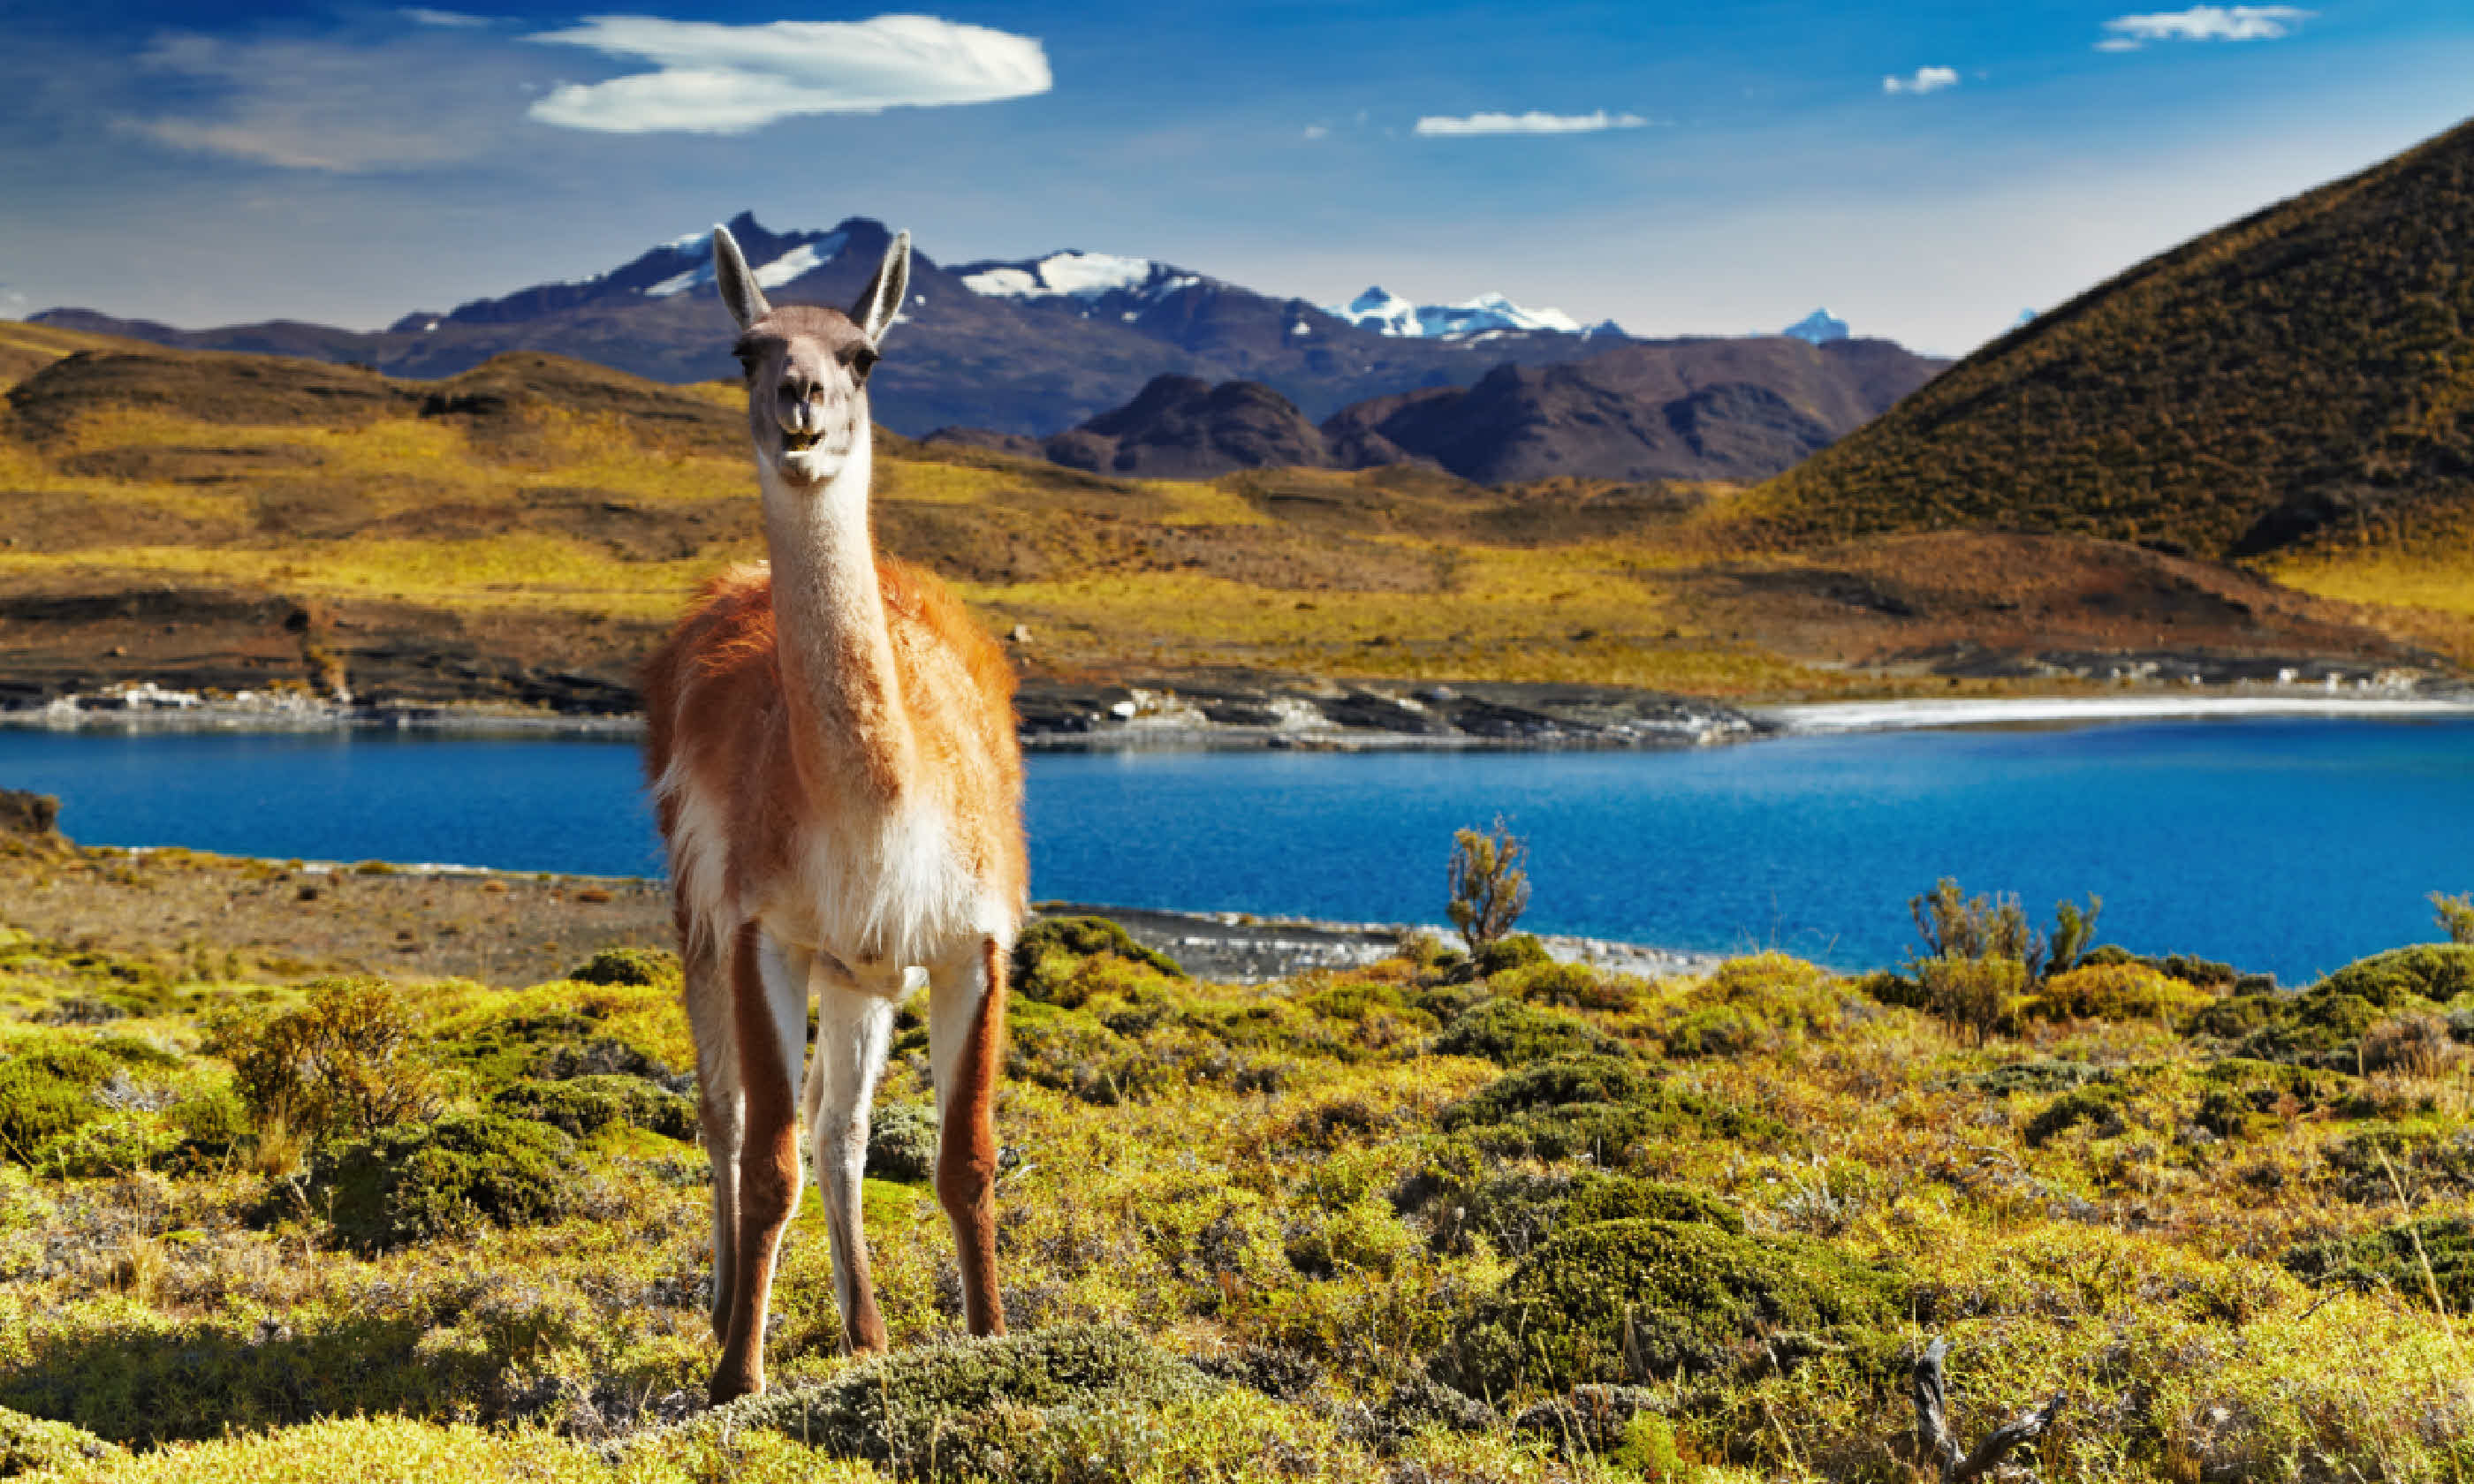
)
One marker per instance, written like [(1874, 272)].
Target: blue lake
[(2288, 846)]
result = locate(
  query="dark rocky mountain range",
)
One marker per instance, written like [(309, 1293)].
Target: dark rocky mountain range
[(1027, 363), (2297, 379), (1736, 410)]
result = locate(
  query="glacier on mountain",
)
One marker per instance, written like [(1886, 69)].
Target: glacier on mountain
[(1385, 313), (1082, 276)]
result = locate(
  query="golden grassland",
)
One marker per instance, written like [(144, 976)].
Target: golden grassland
[(1271, 1221), (585, 509)]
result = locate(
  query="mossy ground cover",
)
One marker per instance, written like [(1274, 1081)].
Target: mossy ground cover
[(1628, 1229)]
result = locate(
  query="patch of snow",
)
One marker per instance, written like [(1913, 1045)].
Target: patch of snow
[(694, 239), (1387, 313), (1003, 283), (789, 265), (694, 277), (1090, 274)]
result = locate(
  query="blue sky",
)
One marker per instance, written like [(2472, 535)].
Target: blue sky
[(1926, 170)]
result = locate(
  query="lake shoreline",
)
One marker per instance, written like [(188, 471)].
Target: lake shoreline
[(1333, 717)]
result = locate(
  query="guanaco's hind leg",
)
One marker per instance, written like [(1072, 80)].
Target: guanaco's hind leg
[(853, 1029), (719, 1109), (769, 1001), (965, 1027)]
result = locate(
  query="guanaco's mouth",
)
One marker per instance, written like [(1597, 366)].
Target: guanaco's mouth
[(800, 443)]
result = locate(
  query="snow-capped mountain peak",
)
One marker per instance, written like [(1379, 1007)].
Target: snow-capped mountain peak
[(1819, 328), (1385, 313)]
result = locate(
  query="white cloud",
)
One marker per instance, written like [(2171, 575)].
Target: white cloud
[(1926, 79), (1531, 123), (1316, 131), (726, 79), (451, 20), (2203, 23)]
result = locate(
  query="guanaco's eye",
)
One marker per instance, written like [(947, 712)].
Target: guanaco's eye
[(861, 361)]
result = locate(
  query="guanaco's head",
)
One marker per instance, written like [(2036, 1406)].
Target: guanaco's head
[(806, 366)]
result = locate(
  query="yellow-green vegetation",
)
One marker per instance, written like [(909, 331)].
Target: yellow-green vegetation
[(1503, 1219)]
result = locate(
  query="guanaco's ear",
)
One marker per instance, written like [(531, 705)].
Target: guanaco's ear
[(739, 293), (881, 300)]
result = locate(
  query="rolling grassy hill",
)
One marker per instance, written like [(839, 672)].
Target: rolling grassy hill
[(523, 531), (2296, 389)]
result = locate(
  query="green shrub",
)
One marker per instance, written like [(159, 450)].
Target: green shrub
[(2114, 991), (2392, 1259), (210, 1125), (419, 1180), (1511, 1034), (1749, 1003), (2246, 1096), (586, 1105), (1593, 1106), (2041, 1076), (28, 1445), (1061, 1402), (2096, 1109), (44, 1094), (1574, 986), (1515, 1210), (1973, 993), (1510, 955), (629, 965), (2394, 980), (2236, 1015), (2455, 915), (1955, 925), (902, 1142), (1050, 951), (351, 1061), (1626, 1300)]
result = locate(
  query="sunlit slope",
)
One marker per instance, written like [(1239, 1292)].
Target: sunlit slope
[(525, 530), (2300, 381)]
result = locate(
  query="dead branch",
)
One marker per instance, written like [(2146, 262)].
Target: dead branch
[(1932, 1422)]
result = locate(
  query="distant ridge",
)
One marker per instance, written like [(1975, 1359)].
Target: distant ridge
[(2304, 374)]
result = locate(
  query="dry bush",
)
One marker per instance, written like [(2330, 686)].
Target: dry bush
[(2416, 1044), (351, 1061), (2455, 915), (1489, 889)]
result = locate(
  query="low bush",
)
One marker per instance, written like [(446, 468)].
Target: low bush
[(2396, 980), (2096, 1109), (1510, 955), (2114, 991), (1511, 1034), (353, 1059), (416, 1182), (1596, 1107), (902, 1142), (629, 965), (1050, 951), (2393, 1259), (45, 1095), (1056, 1403), (1641, 1299), (29, 1444), (1973, 993), (582, 1106), (1765, 1001)]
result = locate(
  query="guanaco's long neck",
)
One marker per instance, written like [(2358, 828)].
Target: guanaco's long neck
[(847, 721)]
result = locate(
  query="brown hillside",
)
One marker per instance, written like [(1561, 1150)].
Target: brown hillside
[(2306, 371)]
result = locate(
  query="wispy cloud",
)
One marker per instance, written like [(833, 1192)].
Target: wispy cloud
[(1531, 123), (1316, 131), (2203, 23), (726, 79), (451, 21), (423, 100), (1923, 80)]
